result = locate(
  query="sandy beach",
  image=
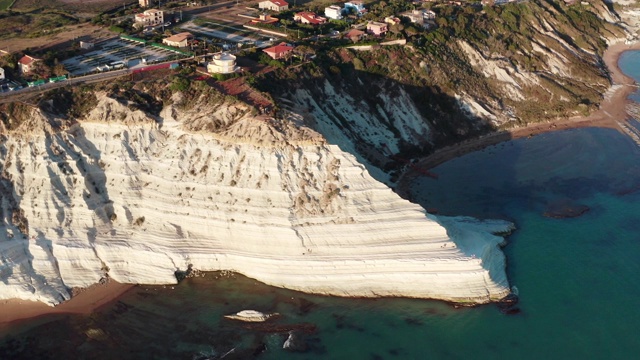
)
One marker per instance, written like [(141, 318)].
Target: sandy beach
[(84, 303), (612, 110)]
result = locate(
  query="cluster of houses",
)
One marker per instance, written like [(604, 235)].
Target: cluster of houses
[(225, 63)]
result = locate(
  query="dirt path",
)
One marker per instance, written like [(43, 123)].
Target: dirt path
[(612, 110)]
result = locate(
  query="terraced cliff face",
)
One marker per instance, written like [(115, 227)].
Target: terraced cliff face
[(135, 196)]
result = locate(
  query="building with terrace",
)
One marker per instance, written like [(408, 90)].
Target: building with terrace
[(151, 17)]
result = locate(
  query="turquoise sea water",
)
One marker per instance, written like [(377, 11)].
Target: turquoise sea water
[(577, 277)]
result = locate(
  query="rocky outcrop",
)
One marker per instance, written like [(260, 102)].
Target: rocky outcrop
[(250, 316), (138, 197)]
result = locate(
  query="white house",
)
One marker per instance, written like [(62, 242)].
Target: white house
[(333, 12), (144, 3), (420, 17), (1, 73), (151, 17), (274, 5), (27, 63), (356, 5), (222, 64)]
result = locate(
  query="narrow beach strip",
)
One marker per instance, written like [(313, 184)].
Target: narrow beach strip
[(85, 302), (612, 111)]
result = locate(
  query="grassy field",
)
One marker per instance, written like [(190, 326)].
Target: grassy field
[(85, 6), (35, 24), (6, 4)]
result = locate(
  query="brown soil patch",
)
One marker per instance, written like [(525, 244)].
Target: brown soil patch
[(93, 6), (239, 88), (62, 39)]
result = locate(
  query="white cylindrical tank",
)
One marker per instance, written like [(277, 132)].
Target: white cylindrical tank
[(223, 63)]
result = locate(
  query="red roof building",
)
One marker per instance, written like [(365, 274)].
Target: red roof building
[(279, 51), (26, 63), (307, 17), (355, 35)]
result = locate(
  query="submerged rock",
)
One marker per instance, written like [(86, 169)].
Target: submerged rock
[(565, 210)]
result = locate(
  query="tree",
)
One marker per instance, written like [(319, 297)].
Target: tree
[(58, 70), (304, 51), (411, 31), (396, 28), (180, 83), (41, 70), (9, 61)]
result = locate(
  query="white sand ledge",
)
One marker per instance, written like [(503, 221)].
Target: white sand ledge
[(140, 203)]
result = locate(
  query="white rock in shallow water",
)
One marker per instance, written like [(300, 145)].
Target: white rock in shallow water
[(250, 316), (139, 202), (295, 342)]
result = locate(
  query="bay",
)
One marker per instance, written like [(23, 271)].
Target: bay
[(577, 276)]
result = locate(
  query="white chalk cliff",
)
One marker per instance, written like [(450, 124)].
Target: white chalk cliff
[(137, 197)]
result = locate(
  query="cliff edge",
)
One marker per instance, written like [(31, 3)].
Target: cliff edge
[(136, 195)]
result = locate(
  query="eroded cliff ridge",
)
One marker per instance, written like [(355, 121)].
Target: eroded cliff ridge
[(478, 70), (94, 185)]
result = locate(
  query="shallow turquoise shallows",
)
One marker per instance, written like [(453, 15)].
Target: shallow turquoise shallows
[(578, 278)]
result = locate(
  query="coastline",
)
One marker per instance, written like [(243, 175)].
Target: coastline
[(91, 298), (611, 111)]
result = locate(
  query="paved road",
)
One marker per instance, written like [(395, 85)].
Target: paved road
[(26, 93)]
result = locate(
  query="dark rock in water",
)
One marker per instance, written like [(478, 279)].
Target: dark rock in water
[(183, 274), (412, 321), (511, 311), (304, 328), (262, 347), (565, 211), (511, 299), (305, 305), (295, 342), (507, 305)]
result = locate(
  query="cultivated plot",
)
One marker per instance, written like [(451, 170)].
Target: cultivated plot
[(129, 52), (226, 32)]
